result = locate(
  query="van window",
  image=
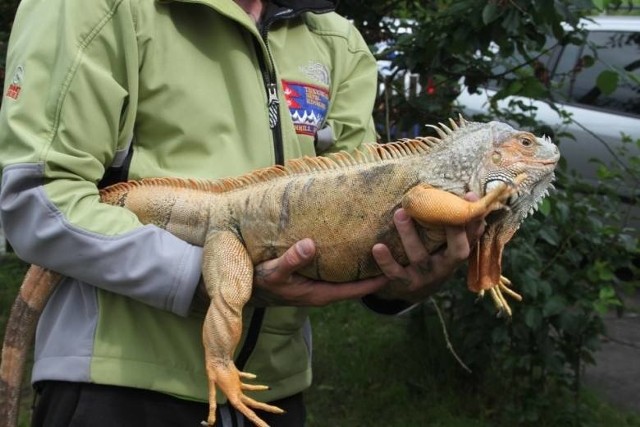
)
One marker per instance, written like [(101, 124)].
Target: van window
[(616, 51), (561, 68)]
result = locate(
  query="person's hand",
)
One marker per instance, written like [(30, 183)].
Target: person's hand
[(276, 282), (426, 272)]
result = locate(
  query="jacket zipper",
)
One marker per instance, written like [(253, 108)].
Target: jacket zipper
[(268, 69), (270, 83), (273, 102)]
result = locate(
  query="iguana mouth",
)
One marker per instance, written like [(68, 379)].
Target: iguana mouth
[(549, 161)]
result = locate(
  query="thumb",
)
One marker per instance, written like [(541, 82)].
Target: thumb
[(296, 257)]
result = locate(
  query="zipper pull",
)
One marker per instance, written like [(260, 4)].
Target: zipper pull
[(274, 111)]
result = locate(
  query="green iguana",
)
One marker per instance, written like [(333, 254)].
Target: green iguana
[(345, 203)]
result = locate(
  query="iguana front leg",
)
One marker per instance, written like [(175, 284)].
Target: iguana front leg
[(432, 206), (228, 275)]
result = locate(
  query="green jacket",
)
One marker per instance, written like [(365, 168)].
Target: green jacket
[(187, 83)]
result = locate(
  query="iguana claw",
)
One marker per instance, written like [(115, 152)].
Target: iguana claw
[(227, 377), (498, 298)]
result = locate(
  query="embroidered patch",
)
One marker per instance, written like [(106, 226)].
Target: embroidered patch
[(308, 105), (316, 71), (13, 91)]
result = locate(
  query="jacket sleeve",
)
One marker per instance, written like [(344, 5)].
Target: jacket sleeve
[(73, 65), (350, 119)]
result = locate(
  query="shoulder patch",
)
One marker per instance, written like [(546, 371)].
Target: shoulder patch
[(308, 105), (15, 87)]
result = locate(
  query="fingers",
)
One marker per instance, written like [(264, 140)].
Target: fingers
[(474, 228), (425, 272), (277, 284), (387, 263), (279, 270), (415, 249), (458, 248), (297, 256), (460, 240)]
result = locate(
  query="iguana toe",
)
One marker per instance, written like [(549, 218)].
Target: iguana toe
[(497, 295), (225, 376)]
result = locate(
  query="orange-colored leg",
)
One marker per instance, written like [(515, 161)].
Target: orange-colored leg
[(228, 275), (433, 206), (485, 266)]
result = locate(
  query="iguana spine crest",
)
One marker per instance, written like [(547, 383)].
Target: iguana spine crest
[(369, 153)]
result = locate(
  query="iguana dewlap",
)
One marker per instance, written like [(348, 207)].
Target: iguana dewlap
[(345, 203)]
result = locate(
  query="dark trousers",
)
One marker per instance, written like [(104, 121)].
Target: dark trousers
[(67, 404)]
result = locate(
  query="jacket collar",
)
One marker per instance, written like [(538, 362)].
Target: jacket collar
[(295, 6), (307, 5), (285, 9)]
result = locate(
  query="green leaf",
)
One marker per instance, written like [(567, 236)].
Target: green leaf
[(515, 87), (545, 207), (607, 81), (499, 335), (554, 305), (530, 288), (588, 61), (511, 22), (606, 292), (550, 236), (570, 322), (490, 13), (532, 317)]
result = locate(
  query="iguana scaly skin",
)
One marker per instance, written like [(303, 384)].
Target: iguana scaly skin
[(345, 203)]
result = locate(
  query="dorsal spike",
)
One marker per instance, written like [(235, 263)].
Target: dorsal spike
[(430, 141), (368, 153), (439, 131), (446, 128)]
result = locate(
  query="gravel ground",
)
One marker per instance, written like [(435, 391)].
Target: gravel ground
[(616, 375)]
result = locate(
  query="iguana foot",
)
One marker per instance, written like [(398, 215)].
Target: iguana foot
[(499, 192), (498, 298), (227, 377)]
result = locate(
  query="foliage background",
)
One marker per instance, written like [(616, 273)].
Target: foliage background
[(572, 261)]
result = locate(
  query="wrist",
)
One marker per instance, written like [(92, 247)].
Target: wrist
[(386, 306)]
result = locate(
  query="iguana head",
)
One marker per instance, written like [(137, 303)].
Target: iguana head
[(514, 153), (512, 170), (475, 156)]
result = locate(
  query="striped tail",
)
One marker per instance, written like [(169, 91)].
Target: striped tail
[(37, 286)]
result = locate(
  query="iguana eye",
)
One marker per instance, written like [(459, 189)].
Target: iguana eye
[(527, 142)]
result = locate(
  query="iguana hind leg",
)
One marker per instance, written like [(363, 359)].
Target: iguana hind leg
[(485, 267), (228, 275)]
